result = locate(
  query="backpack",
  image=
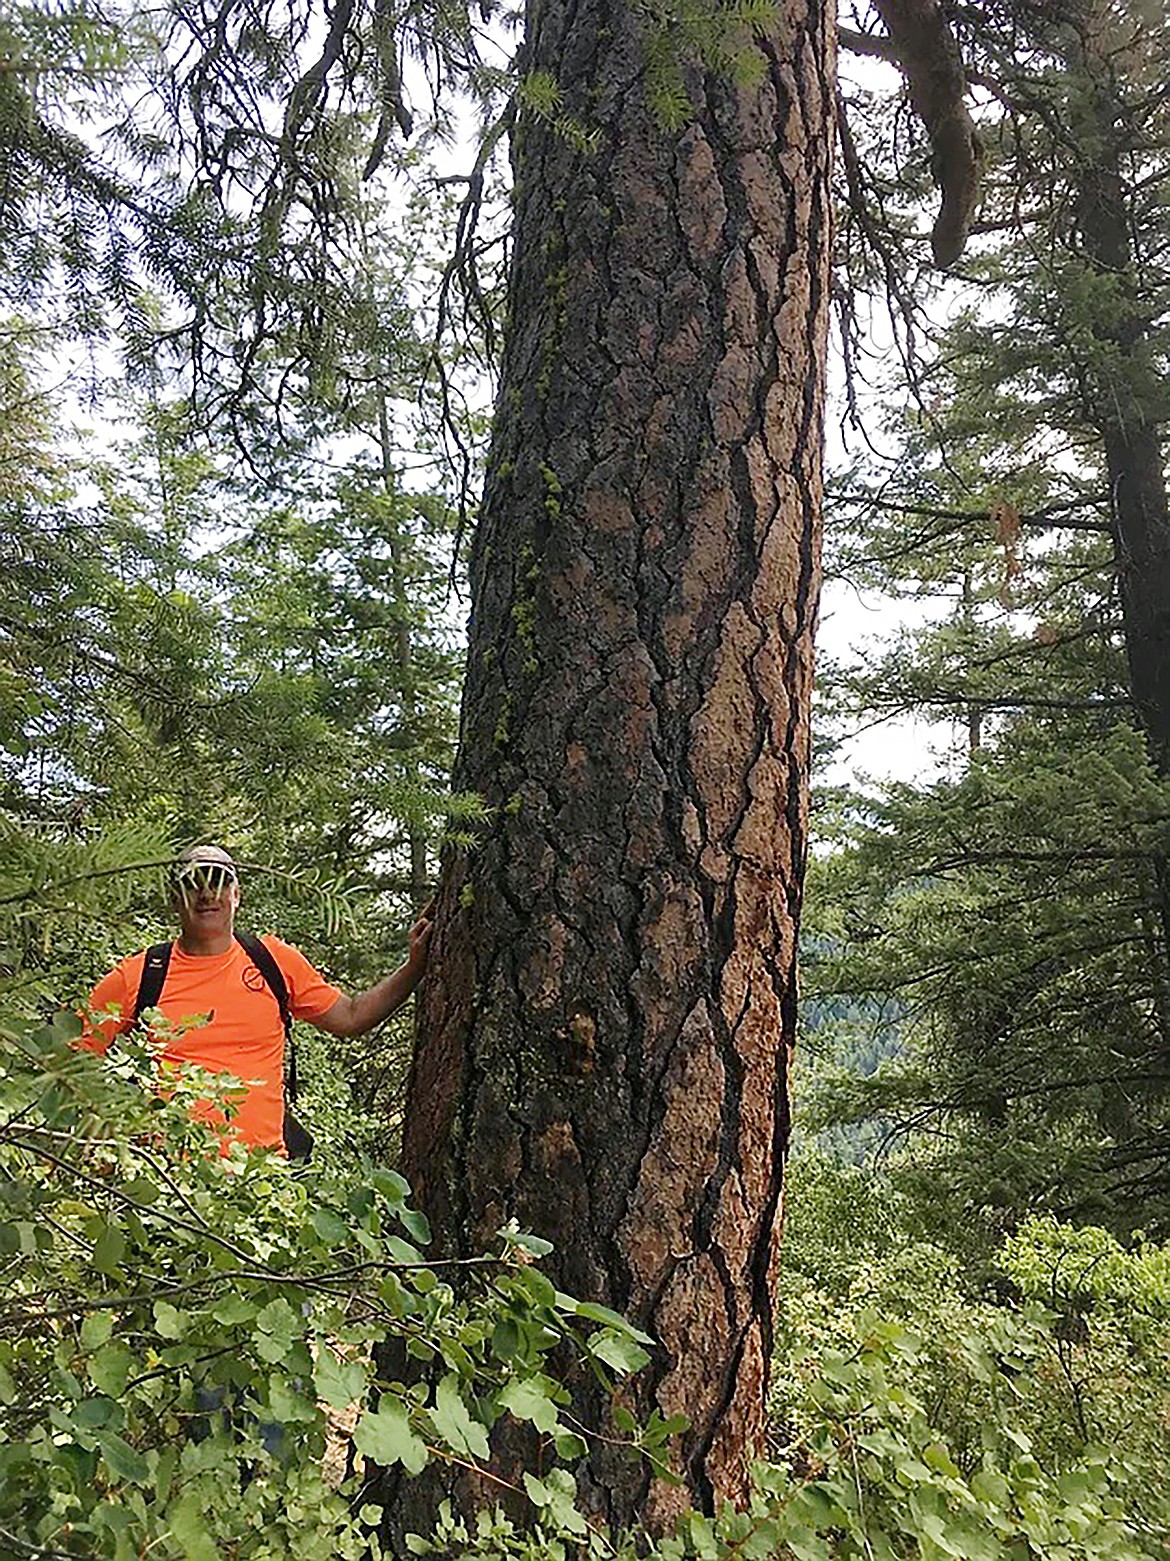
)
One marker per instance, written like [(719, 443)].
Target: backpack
[(297, 1139)]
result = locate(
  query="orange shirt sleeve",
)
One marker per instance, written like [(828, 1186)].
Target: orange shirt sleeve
[(111, 992), (309, 994)]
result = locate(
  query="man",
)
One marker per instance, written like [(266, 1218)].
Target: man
[(210, 973)]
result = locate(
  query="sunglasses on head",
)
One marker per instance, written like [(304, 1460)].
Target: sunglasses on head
[(210, 878)]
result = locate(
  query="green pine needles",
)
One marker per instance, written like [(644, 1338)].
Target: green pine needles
[(717, 37)]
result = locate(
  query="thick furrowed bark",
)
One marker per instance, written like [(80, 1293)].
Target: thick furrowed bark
[(1141, 519), (1127, 407), (603, 1042), (1120, 407)]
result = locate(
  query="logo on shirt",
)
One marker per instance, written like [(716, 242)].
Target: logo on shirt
[(253, 980)]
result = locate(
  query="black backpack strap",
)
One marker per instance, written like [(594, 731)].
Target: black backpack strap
[(265, 962), (154, 976)]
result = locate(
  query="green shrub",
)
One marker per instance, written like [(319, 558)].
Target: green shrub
[(1020, 1417), (176, 1324), (145, 1279)]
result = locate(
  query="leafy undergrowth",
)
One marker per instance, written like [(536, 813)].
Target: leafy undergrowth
[(180, 1330), (175, 1327)]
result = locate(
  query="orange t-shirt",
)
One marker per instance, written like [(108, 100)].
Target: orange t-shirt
[(243, 1036)]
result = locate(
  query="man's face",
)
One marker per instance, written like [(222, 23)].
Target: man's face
[(205, 897)]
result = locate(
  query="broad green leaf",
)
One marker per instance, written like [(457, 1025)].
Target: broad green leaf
[(164, 1473), (96, 1329), (385, 1435), (702, 1537), (813, 1505), (189, 1529), (935, 1528), (505, 1339), (401, 1301), (110, 1369), (656, 1429), (339, 1382), (277, 1329), (529, 1399), (804, 1543), (286, 1405), (402, 1251), (142, 1190), (763, 1544), (534, 1246), (234, 1309), (603, 1314), (619, 1352), (937, 1457), (108, 1250), (329, 1225), (67, 1382), (170, 1322), (991, 1487), (453, 1423), (94, 1413), (538, 1492), (393, 1187), (115, 1518), (125, 1462), (416, 1224), (561, 1492), (539, 1286)]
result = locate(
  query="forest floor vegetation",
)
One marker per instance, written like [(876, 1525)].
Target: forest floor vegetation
[(140, 1270)]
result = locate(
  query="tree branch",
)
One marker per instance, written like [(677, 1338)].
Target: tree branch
[(927, 54)]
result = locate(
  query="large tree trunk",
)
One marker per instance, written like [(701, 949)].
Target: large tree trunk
[(1127, 400), (604, 1037), (1141, 521)]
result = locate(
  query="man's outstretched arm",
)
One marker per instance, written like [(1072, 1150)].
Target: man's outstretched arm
[(352, 1016)]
